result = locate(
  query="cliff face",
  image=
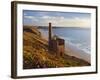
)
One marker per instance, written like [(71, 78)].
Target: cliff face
[(36, 54)]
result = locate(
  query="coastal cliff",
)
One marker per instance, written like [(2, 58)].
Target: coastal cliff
[(37, 55)]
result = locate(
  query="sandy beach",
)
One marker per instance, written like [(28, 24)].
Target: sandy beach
[(73, 51)]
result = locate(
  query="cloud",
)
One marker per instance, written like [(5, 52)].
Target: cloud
[(28, 17), (68, 22), (60, 21), (45, 17), (77, 22), (25, 14)]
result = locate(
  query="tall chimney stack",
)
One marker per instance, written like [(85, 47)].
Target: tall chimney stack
[(50, 31)]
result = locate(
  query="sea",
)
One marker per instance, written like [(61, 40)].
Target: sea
[(78, 37)]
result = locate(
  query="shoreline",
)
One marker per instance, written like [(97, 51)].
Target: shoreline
[(74, 51)]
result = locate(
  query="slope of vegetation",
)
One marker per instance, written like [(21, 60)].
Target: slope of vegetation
[(36, 54)]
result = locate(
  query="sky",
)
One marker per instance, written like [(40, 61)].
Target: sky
[(59, 19)]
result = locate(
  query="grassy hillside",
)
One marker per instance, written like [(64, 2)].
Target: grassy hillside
[(36, 54)]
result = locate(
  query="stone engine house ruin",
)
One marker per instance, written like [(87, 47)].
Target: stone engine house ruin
[(56, 44)]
